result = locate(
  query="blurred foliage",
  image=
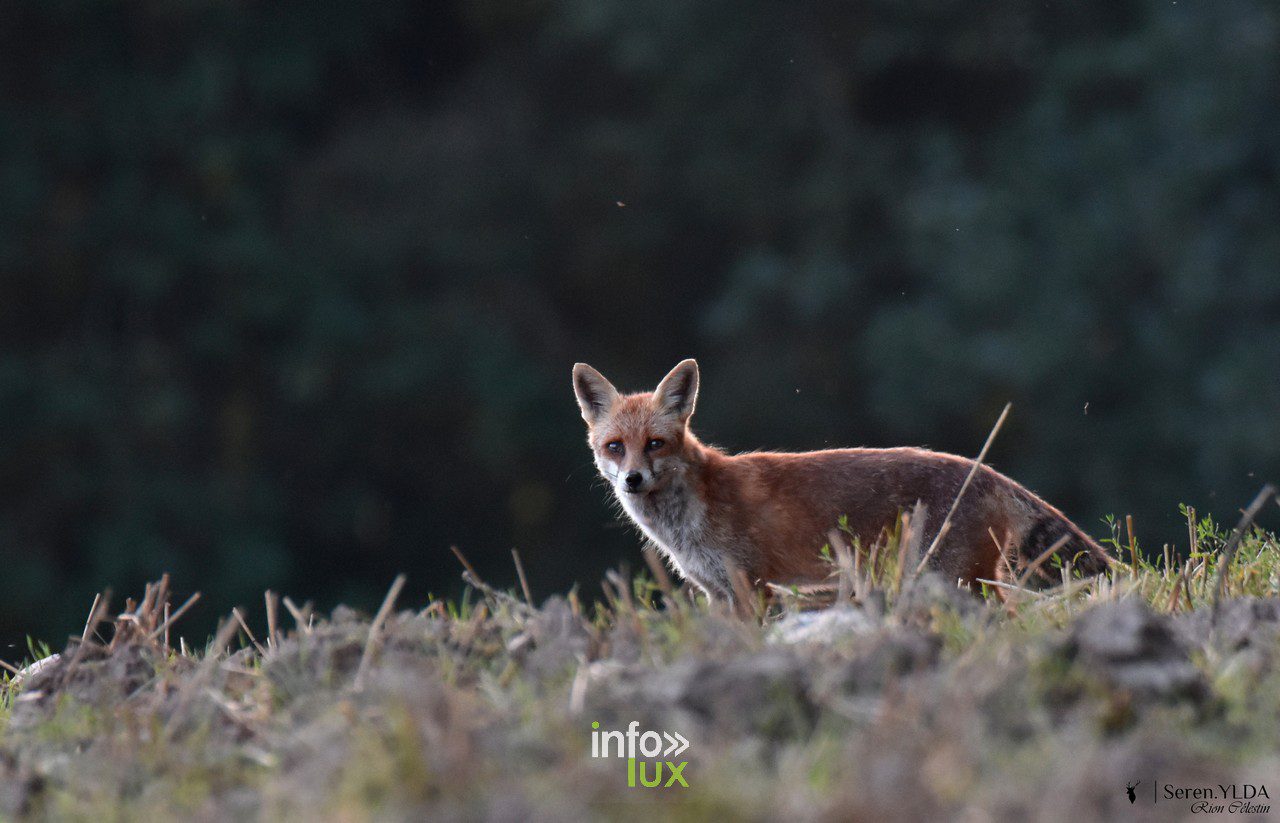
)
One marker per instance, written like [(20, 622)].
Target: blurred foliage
[(291, 291)]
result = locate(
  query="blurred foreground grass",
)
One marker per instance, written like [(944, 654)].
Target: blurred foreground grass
[(908, 699)]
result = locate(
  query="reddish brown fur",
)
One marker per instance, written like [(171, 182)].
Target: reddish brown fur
[(769, 513)]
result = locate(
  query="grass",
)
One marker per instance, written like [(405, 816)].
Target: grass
[(908, 699)]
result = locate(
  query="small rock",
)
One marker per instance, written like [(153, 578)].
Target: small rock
[(826, 626)]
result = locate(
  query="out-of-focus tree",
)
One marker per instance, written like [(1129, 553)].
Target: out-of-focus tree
[(291, 292)]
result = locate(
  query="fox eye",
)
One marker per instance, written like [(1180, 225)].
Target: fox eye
[(615, 447), (655, 444)]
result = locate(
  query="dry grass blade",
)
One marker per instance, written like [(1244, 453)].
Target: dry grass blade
[(1003, 549), (1192, 540), (740, 592), (96, 615), (846, 576), (244, 625), (859, 585), (273, 618), (524, 581), (375, 630), (1187, 574), (946, 521), (472, 578), (466, 564), (1010, 587), (744, 599), (659, 572), (226, 630), (621, 589), (1034, 565), (173, 618), (88, 623), (912, 536), (494, 594), (301, 616), (810, 596), (1172, 603), (874, 555), (1133, 546), (1233, 543)]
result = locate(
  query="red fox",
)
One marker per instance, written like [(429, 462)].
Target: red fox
[(768, 513)]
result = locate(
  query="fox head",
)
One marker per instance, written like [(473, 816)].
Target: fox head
[(638, 440)]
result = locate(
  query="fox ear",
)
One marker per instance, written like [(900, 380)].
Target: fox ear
[(595, 394), (678, 391)]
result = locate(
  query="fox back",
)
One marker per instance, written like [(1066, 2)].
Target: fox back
[(769, 513)]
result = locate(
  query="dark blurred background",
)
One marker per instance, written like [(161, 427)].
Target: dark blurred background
[(291, 290)]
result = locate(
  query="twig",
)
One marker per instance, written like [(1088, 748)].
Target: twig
[(301, 617), (909, 543), (500, 596), (946, 521), (1010, 587), (524, 581), (466, 564), (273, 621), (240, 619), (88, 622), (170, 620), (1054, 594), (1233, 543), (387, 603), (96, 615), (817, 592)]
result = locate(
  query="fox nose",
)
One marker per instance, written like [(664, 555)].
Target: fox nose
[(634, 479)]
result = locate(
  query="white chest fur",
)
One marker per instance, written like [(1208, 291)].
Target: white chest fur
[(676, 521)]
